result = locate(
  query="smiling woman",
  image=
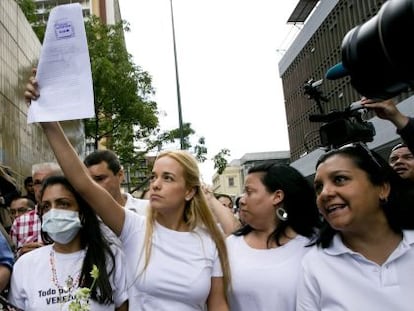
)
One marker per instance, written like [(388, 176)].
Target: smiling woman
[(367, 236)]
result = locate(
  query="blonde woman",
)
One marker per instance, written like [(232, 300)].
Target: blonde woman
[(176, 256)]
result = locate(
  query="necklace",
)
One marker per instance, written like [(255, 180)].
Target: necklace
[(72, 280)]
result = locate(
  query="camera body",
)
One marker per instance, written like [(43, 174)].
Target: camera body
[(378, 58), (340, 127), (345, 130)]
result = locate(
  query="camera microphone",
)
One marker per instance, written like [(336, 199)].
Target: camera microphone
[(336, 72)]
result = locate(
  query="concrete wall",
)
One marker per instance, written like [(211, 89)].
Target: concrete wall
[(22, 144)]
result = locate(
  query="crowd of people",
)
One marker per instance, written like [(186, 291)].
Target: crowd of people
[(343, 242)]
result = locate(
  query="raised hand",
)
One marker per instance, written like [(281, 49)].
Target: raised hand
[(31, 91)]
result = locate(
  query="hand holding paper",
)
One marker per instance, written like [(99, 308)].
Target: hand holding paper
[(64, 71)]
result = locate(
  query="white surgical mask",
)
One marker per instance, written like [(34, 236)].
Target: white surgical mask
[(61, 225)]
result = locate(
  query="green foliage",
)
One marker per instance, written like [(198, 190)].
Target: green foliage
[(220, 161), (121, 89), (200, 150), (29, 10), (173, 136), (125, 114)]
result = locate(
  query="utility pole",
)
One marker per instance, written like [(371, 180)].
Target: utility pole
[(177, 81)]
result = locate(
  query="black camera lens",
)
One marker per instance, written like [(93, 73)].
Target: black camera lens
[(379, 55)]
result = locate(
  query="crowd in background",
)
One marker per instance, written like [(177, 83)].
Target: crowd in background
[(343, 242)]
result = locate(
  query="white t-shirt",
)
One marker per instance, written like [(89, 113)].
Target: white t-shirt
[(178, 276), (32, 288), (138, 206), (337, 278), (264, 279)]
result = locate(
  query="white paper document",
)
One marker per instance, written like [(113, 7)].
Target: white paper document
[(64, 70)]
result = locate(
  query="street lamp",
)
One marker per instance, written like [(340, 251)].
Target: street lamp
[(177, 81)]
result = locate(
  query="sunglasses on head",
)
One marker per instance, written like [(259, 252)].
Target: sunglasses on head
[(364, 148)]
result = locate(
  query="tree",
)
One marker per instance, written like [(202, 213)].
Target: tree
[(200, 150), (220, 161), (124, 112), (29, 10), (171, 136)]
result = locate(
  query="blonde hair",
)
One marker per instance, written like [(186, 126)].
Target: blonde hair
[(196, 213)]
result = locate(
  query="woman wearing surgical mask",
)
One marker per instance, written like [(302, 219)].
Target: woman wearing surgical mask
[(49, 277)]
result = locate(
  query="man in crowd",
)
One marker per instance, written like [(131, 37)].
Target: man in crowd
[(19, 206), (106, 170), (401, 157), (402, 161), (26, 229), (28, 186)]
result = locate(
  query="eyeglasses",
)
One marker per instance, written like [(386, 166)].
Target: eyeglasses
[(18, 211), (363, 147)]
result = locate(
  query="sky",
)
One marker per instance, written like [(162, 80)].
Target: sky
[(227, 53)]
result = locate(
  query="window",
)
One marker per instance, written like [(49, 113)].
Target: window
[(231, 181)]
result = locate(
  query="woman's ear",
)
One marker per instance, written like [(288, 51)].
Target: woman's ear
[(190, 194), (384, 191), (278, 197)]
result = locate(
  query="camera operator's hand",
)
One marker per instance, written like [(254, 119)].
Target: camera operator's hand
[(32, 89), (386, 110)]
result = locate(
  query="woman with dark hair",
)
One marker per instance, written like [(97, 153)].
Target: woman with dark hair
[(49, 277), (364, 259), (280, 215)]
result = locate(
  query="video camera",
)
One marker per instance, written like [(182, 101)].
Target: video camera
[(378, 55), (340, 127)]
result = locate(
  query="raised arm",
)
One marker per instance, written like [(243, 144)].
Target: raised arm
[(112, 214), (387, 110), (228, 222)]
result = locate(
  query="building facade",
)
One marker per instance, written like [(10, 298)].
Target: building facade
[(231, 181), (21, 144), (316, 48), (107, 10)]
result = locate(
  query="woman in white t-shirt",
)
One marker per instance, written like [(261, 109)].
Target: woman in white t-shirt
[(176, 257), (280, 215), (50, 277), (364, 259)]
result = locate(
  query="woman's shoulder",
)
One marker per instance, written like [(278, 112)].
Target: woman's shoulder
[(232, 239), (37, 256), (409, 237), (134, 221)]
